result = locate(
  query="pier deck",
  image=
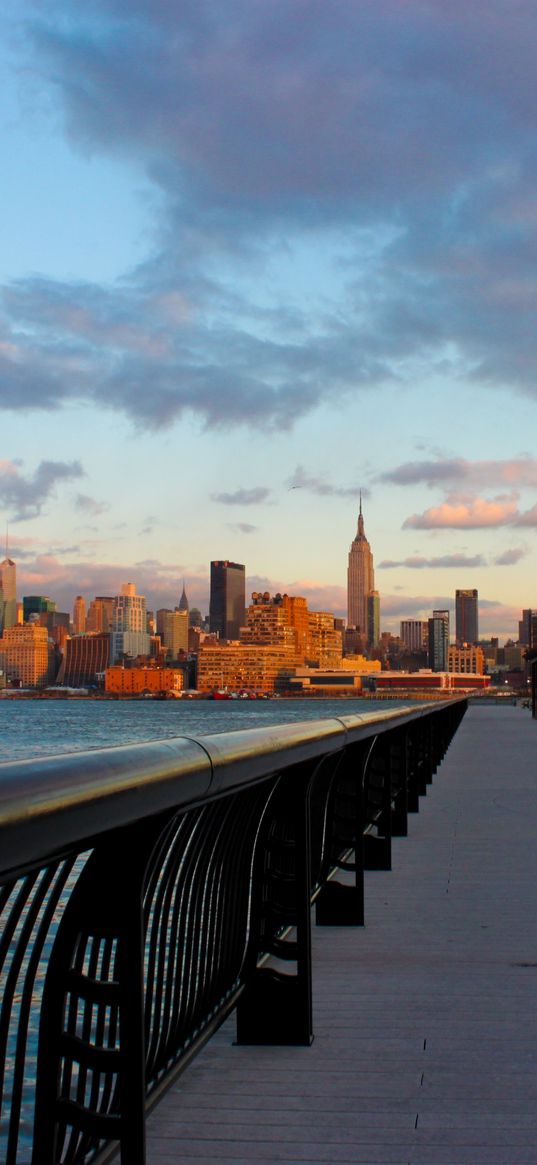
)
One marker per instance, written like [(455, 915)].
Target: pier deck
[(425, 1020)]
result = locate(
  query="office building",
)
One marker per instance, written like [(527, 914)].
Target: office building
[(414, 634), (373, 619), (100, 614), (439, 640), (466, 623), (526, 635), (360, 578), (245, 667), (129, 636), (36, 605), (26, 656), (466, 660), (172, 627), (227, 599), (8, 594), (85, 659), (79, 615)]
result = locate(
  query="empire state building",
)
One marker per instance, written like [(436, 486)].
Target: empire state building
[(360, 579)]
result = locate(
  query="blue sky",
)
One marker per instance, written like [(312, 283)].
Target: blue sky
[(256, 257)]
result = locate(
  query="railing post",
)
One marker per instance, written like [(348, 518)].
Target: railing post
[(342, 903), (276, 1006), (378, 807), (399, 776), (93, 989)]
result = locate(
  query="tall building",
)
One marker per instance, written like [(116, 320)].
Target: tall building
[(172, 626), (227, 601), (525, 628), (37, 605), (466, 617), (129, 635), (79, 616), (100, 614), (8, 594), (373, 618), (439, 640), (85, 658), (414, 634), (26, 655), (360, 578)]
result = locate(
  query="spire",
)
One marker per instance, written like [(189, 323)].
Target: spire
[(361, 533), (183, 601)]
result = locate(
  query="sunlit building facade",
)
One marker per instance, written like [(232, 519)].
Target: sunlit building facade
[(100, 614), (26, 655), (132, 681), (466, 660), (252, 668), (79, 615), (129, 636), (172, 627)]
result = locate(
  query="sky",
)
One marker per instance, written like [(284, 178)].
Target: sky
[(257, 256)]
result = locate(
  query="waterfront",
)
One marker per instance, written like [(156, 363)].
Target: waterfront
[(31, 728)]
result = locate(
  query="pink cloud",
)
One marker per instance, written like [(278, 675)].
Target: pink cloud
[(461, 512)]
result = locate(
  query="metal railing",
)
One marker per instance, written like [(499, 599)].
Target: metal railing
[(148, 890)]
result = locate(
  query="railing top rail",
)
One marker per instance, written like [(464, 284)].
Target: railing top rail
[(54, 804)]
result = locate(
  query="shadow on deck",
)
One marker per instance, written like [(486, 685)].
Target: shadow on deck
[(425, 1020)]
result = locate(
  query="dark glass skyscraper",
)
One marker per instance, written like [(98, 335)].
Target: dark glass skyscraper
[(439, 640), (466, 617), (227, 602)]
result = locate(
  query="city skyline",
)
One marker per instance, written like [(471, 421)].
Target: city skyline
[(283, 256)]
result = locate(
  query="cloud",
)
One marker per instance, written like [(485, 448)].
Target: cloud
[(242, 527), (416, 562), (243, 497), (26, 496), (90, 505), (514, 472), (317, 485), (467, 512), (160, 582), (403, 155), (463, 513), (510, 557), (529, 518)]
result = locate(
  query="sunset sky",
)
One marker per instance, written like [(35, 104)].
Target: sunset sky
[(257, 255)]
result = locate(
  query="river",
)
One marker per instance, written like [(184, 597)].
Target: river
[(32, 728)]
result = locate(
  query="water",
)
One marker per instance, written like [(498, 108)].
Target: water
[(31, 728)]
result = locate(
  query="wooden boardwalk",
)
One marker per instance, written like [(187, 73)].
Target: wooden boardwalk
[(425, 1021)]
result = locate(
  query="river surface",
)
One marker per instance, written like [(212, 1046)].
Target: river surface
[(32, 728)]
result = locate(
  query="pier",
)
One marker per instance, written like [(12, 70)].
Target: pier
[(425, 1020), (367, 930)]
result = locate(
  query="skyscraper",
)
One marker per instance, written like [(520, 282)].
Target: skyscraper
[(79, 615), (227, 602), (466, 617), (183, 601), (525, 636), (129, 625), (373, 619), (8, 594), (360, 578), (439, 640)]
